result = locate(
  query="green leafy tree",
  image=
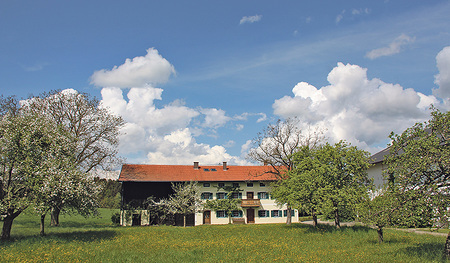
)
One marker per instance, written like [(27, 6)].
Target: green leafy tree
[(301, 187), (418, 163), (330, 178), (228, 204), (185, 200), (344, 178), (276, 145), (93, 129), (378, 211)]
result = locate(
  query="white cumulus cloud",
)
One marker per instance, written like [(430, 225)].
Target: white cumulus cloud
[(137, 72), (360, 110), (214, 118), (443, 78), (158, 134)]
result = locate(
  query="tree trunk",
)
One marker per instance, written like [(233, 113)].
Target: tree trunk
[(314, 217), (6, 230), (184, 220), (229, 218), (54, 221), (380, 234), (8, 221), (447, 247), (337, 223), (289, 217), (42, 233)]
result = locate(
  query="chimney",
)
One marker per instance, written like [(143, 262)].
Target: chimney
[(225, 166), (195, 165)]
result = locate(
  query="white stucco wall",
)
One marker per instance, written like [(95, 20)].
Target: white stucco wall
[(266, 204), (376, 172)]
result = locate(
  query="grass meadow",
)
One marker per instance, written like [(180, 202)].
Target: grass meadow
[(97, 240)]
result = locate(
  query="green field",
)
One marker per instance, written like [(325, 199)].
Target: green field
[(96, 240)]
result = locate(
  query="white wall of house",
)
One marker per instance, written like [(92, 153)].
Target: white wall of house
[(376, 172), (259, 189)]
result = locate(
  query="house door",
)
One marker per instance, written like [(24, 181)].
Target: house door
[(250, 216), (249, 195), (207, 217), (136, 220)]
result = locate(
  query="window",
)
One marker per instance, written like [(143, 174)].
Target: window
[(262, 184), (249, 184), (236, 213), (207, 195), (285, 213), (263, 213), (206, 169), (236, 195), (213, 169), (236, 185), (276, 213), (221, 195), (221, 184), (206, 185), (221, 213), (263, 195)]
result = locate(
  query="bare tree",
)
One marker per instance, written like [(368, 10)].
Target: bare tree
[(276, 144)]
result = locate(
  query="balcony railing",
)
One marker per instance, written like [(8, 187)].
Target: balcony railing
[(250, 203)]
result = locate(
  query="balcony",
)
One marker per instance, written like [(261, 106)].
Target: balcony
[(250, 203)]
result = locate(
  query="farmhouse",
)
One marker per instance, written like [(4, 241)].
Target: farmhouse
[(142, 181)]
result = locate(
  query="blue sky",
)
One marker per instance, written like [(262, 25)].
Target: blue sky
[(196, 80)]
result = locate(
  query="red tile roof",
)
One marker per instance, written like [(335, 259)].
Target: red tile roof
[(180, 173)]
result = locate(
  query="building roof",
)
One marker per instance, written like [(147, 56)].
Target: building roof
[(379, 156), (183, 173)]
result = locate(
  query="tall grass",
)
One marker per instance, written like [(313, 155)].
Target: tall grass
[(96, 240)]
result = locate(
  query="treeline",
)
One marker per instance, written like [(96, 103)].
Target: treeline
[(109, 195)]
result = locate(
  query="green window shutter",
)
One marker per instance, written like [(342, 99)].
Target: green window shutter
[(285, 213), (259, 195), (272, 213), (240, 195), (240, 213), (217, 195), (210, 196), (217, 214)]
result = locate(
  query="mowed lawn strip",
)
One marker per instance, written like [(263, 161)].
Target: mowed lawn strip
[(96, 240)]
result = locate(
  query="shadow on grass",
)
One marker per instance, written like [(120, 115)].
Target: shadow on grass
[(330, 228), (63, 237), (84, 224), (432, 252), (84, 236)]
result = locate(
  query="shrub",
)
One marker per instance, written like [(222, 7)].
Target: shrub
[(115, 218)]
